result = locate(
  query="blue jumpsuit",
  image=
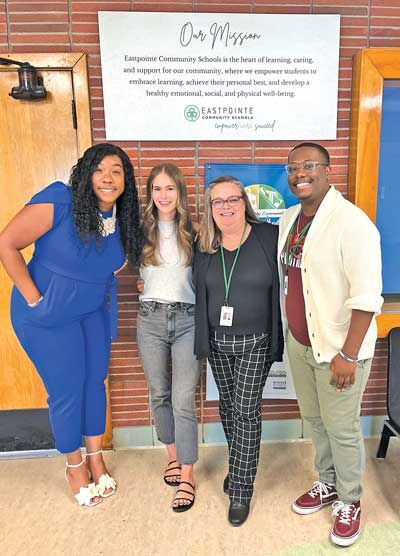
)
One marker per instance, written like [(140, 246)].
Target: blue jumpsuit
[(68, 335)]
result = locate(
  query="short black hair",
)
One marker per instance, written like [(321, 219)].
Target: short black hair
[(311, 145)]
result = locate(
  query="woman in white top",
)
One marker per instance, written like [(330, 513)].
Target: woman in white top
[(165, 326)]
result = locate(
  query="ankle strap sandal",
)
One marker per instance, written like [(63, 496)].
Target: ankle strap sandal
[(86, 495), (106, 482)]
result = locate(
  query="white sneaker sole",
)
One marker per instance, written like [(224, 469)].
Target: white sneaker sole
[(306, 511), (341, 541)]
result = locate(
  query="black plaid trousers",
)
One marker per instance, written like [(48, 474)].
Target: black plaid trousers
[(240, 365)]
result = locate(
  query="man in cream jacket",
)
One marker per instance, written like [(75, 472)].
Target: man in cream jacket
[(330, 271)]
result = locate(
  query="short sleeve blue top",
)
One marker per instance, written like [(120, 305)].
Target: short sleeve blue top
[(74, 278), (61, 247)]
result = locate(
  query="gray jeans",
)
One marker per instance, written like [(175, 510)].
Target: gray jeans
[(164, 329)]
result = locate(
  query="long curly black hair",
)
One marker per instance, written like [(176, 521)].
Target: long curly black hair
[(85, 207)]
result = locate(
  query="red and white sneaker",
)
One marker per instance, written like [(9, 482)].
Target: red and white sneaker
[(313, 500), (346, 529)]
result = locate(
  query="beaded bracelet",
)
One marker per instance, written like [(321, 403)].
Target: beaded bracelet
[(348, 357)]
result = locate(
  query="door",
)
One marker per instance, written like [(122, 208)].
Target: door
[(39, 143)]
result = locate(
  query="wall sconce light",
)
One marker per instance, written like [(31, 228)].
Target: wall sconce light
[(30, 83)]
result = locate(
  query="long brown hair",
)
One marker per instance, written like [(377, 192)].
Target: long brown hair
[(184, 226), (209, 233)]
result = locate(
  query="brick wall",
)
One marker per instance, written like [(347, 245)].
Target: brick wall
[(68, 25)]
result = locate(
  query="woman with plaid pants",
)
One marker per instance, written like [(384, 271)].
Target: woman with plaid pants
[(238, 325)]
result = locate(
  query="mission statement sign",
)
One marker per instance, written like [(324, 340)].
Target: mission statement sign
[(180, 76)]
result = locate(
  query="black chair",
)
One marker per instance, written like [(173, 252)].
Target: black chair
[(391, 426)]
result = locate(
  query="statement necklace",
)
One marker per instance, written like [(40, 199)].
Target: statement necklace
[(109, 223)]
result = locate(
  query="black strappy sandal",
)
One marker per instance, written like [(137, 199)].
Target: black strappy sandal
[(175, 478), (184, 507)]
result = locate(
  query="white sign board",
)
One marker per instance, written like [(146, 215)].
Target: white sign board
[(186, 76)]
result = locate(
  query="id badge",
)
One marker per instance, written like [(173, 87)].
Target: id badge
[(226, 317), (285, 284)]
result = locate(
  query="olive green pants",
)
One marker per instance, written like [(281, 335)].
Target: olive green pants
[(334, 418)]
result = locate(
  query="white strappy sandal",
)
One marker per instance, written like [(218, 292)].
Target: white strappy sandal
[(86, 495), (105, 481)]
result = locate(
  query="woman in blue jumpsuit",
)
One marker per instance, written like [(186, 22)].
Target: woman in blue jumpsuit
[(63, 305)]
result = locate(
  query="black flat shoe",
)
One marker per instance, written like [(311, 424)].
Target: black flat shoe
[(226, 484), (238, 513)]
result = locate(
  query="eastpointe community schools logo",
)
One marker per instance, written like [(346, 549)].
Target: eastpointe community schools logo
[(192, 113), (267, 202)]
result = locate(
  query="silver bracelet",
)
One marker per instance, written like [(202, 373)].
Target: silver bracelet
[(35, 303), (348, 357)]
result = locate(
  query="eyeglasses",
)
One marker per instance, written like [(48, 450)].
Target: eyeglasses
[(232, 201), (307, 165)]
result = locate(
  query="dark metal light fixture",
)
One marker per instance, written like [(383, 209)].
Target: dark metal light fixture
[(30, 83)]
